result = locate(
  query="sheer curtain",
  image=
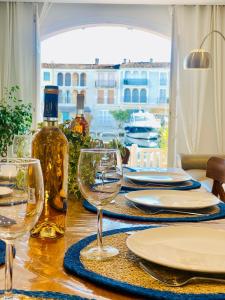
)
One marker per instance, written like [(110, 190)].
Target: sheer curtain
[(19, 50), (197, 96)]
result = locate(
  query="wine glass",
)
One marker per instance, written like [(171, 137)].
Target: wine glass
[(21, 146), (21, 203), (99, 179)]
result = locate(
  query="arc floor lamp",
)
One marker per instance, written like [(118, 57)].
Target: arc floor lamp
[(200, 58)]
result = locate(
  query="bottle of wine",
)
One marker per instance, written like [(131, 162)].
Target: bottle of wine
[(51, 146), (79, 124)]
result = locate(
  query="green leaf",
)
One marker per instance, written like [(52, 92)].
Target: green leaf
[(15, 117)]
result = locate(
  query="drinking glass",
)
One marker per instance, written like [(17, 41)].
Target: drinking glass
[(99, 179), (21, 202), (21, 146)]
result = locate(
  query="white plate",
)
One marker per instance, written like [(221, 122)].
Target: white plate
[(173, 199), (5, 191), (182, 247), (154, 176)]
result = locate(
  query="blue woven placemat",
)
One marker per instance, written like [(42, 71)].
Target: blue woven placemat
[(47, 295), (73, 265), (218, 215)]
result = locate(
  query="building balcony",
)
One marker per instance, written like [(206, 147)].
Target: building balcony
[(105, 83), (138, 81)]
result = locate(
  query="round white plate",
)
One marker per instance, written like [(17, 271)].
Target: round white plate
[(191, 248), (154, 176), (5, 191), (173, 199)]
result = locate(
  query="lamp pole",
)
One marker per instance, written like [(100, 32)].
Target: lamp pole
[(213, 31)]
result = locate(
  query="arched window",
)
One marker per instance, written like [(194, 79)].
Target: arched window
[(68, 97), (60, 96), (143, 75), (143, 96), (74, 97), (75, 79), (67, 79), (127, 95), (127, 75), (83, 79), (60, 79), (135, 96), (136, 75)]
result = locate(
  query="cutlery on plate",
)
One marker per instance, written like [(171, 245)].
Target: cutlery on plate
[(163, 210), (177, 278)]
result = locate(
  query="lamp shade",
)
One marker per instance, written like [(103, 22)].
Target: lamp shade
[(198, 59)]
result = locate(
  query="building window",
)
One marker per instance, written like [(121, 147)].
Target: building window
[(46, 76), (75, 79), (60, 79), (66, 116), (135, 96), (67, 79), (143, 75), (60, 96), (163, 79), (83, 79), (74, 97), (127, 75), (100, 99), (143, 96), (110, 97), (127, 95), (135, 75), (162, 95), (68, 97)]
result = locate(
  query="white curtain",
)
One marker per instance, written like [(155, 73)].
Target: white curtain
[(19, 50), (17, 47), (197, 96)]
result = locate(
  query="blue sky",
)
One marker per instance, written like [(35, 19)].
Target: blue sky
[(109, 44)]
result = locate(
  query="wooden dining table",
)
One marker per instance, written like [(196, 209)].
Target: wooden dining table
[(38, 265)]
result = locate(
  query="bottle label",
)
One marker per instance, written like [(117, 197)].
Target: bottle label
[(51, 106)]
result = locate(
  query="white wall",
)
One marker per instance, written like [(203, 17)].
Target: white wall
[(63, 17)]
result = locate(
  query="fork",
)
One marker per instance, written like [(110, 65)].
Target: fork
[(158, 211), (177, 278)]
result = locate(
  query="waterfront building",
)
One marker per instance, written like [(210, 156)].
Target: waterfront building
[(129, 85)]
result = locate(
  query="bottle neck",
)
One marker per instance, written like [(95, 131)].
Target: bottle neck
[(80, 112), (50, 123)]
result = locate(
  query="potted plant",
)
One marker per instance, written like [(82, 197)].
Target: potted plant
[(15, 117)]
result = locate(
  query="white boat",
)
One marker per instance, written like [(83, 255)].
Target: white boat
[(143, 143), (142, 125)]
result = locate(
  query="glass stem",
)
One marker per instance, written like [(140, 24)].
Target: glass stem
[(8, 271), (99, 225)]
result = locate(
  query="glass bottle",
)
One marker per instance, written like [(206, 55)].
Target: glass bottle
[(50, 146), (79, 124)]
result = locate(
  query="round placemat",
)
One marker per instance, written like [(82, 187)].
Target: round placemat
[(123, 209), (123, 273), (40, 295)]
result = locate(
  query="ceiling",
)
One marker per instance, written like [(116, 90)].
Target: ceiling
[(155, 2)]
